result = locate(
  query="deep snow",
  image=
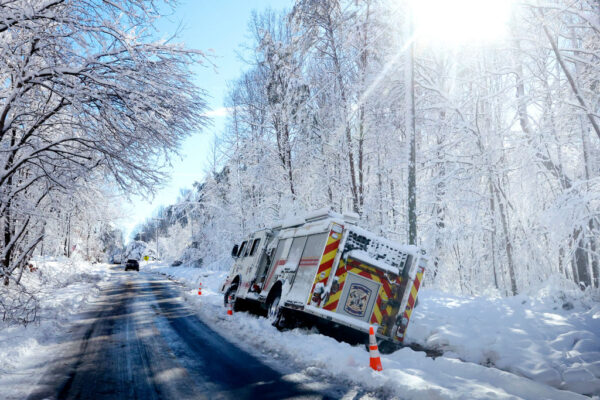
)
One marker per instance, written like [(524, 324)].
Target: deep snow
[(551, 336), (64, 288), (525, 347)]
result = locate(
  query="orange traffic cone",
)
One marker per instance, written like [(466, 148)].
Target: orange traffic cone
[(200, 289), (229, 308), (374, 358)]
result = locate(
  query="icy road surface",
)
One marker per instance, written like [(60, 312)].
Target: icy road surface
[(143, 342), (406, 374), (104, 333)]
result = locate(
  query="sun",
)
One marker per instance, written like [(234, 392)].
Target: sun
[(461, 21)]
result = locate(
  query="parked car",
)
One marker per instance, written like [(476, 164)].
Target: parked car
[(132, 264)]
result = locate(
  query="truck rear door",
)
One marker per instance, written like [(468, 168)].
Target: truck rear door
[(366, 293)]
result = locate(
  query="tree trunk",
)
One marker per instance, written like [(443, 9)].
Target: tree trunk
[(345, 109), (7, 237), (380, 193), (581, 260), (493, 233), (440, 192), (593, 225), (508, 241), (409, 126)]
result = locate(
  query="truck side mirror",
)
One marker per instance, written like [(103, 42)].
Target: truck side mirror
[(234, 251)]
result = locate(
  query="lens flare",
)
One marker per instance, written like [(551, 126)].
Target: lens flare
[(461, 21)]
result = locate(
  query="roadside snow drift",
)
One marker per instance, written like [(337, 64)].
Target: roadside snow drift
[(63, 288), (521, 347), (551, 336)]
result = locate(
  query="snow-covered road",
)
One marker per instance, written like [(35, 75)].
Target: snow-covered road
[(407, 374), (106, 333), (142, 341)]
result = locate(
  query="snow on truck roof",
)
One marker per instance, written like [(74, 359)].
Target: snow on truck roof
[(324, 216), (363, 256), (297, 220), (317, 215), (405, 248)]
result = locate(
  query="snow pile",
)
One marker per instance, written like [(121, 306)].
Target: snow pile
[(440, 320), (551, 336), (62, 288)]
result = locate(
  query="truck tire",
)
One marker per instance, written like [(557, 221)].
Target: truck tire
[(273, 310), (230, 292)]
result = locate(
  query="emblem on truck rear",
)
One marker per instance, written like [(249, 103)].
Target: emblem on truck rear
[(357, 300)]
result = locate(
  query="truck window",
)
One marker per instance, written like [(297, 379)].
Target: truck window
[(242, 248), (314, 247), (254, 246), (279, 252), (309, 264), (295, 252)]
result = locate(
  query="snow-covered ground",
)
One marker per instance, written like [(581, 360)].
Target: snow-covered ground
[(64, 288), (542, 346), (529, 346), (551, 335)]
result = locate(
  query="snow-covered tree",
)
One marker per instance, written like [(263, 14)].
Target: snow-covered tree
[(499, 147), (87, 91), (505, 141)]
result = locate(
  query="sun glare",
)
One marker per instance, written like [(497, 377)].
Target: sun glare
[(461, 21)]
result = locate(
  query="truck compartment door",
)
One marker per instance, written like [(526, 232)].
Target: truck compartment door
[(293, 259), (279, 260), (307, 269)]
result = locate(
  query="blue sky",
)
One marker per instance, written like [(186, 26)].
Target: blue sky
[(219, 28)]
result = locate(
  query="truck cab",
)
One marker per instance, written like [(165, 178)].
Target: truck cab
[(252, 258)]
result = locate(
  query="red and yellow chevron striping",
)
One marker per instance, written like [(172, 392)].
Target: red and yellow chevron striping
[(386, 305), (331, 248), (411, 300)]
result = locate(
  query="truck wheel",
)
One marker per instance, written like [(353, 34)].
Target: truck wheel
[(273, 311), (230, 292)]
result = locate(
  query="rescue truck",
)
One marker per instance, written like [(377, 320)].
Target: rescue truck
[(325, 269)]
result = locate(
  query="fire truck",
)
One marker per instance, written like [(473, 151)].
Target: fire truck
[(324, 269)]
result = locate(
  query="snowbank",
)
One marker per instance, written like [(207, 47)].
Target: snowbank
[(63, 288), (522, 335), (551, 336)]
